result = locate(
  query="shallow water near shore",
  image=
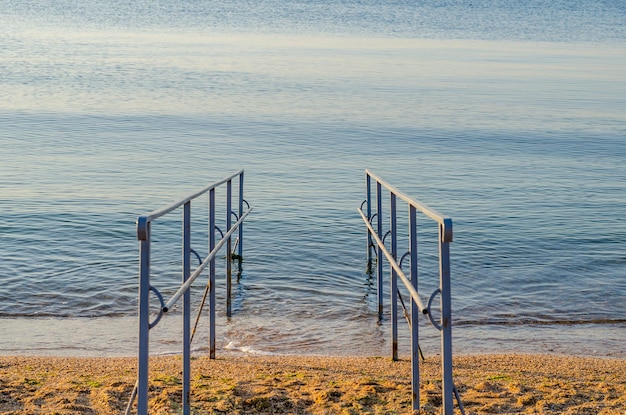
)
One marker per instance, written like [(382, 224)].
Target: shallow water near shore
[(100, 337), (518, 136)]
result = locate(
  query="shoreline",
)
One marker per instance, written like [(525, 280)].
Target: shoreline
[(93, 337), (288, 384)]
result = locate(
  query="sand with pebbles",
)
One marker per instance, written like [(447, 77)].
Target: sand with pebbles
[(488, 384)]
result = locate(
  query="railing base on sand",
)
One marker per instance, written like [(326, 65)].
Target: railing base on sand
[(144, 224), (376, 238)]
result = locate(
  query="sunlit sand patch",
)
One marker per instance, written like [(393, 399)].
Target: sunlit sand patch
[(488, 384)]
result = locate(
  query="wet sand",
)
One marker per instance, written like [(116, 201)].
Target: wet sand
[(488, 384)]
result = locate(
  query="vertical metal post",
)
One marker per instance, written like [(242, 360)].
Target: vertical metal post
[(394, 281), (144, 322), (240, 253), (415, 366), (229, 270), (446, 319), (186, 309), (212, 274), (379, 254), (368, 198)]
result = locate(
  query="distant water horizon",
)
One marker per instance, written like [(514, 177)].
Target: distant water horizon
[(509, 118)]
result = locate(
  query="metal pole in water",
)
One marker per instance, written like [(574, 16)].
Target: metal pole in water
[(212, 275), (368, 198), (415, 368), (186, 309), (240, 253), (229, 270), (379, 255), (446, 318), (394, 281), (144, 317)]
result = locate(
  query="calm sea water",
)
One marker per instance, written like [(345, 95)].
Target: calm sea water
[(507, 116)]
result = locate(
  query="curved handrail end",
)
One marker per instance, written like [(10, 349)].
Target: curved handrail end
[(446, 233), (142, 228)]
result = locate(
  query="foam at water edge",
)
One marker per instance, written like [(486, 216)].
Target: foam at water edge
[(234, 345)]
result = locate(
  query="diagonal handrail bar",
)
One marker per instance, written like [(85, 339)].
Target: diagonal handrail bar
[(414, 294), (183, 288)]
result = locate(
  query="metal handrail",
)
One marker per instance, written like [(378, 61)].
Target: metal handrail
[(183, 288), (444, 221), (376, 239), (144, 223), (414, 294), (144, 220)]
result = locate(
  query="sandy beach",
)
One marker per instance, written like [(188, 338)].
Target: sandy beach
[(488, 384)]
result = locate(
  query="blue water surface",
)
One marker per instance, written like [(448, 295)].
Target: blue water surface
[(507, 117)]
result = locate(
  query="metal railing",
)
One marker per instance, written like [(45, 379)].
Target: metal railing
[(144, 224), (376, 238)]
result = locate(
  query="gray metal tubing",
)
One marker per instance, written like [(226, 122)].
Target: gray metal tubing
[(144, 323), (446, 324), (143, 235), (379, 254), (186, 309), (394, 280), (415, 369), (431, 213), (240, 252), (445, 237), (168, 306), (414, 294), (212, 274), (228, 248), (368, 198), (167, 209)]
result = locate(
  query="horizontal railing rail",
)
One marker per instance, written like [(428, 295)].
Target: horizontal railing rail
[(144, 225), (376, 238), (444, 221), (144, 220)]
